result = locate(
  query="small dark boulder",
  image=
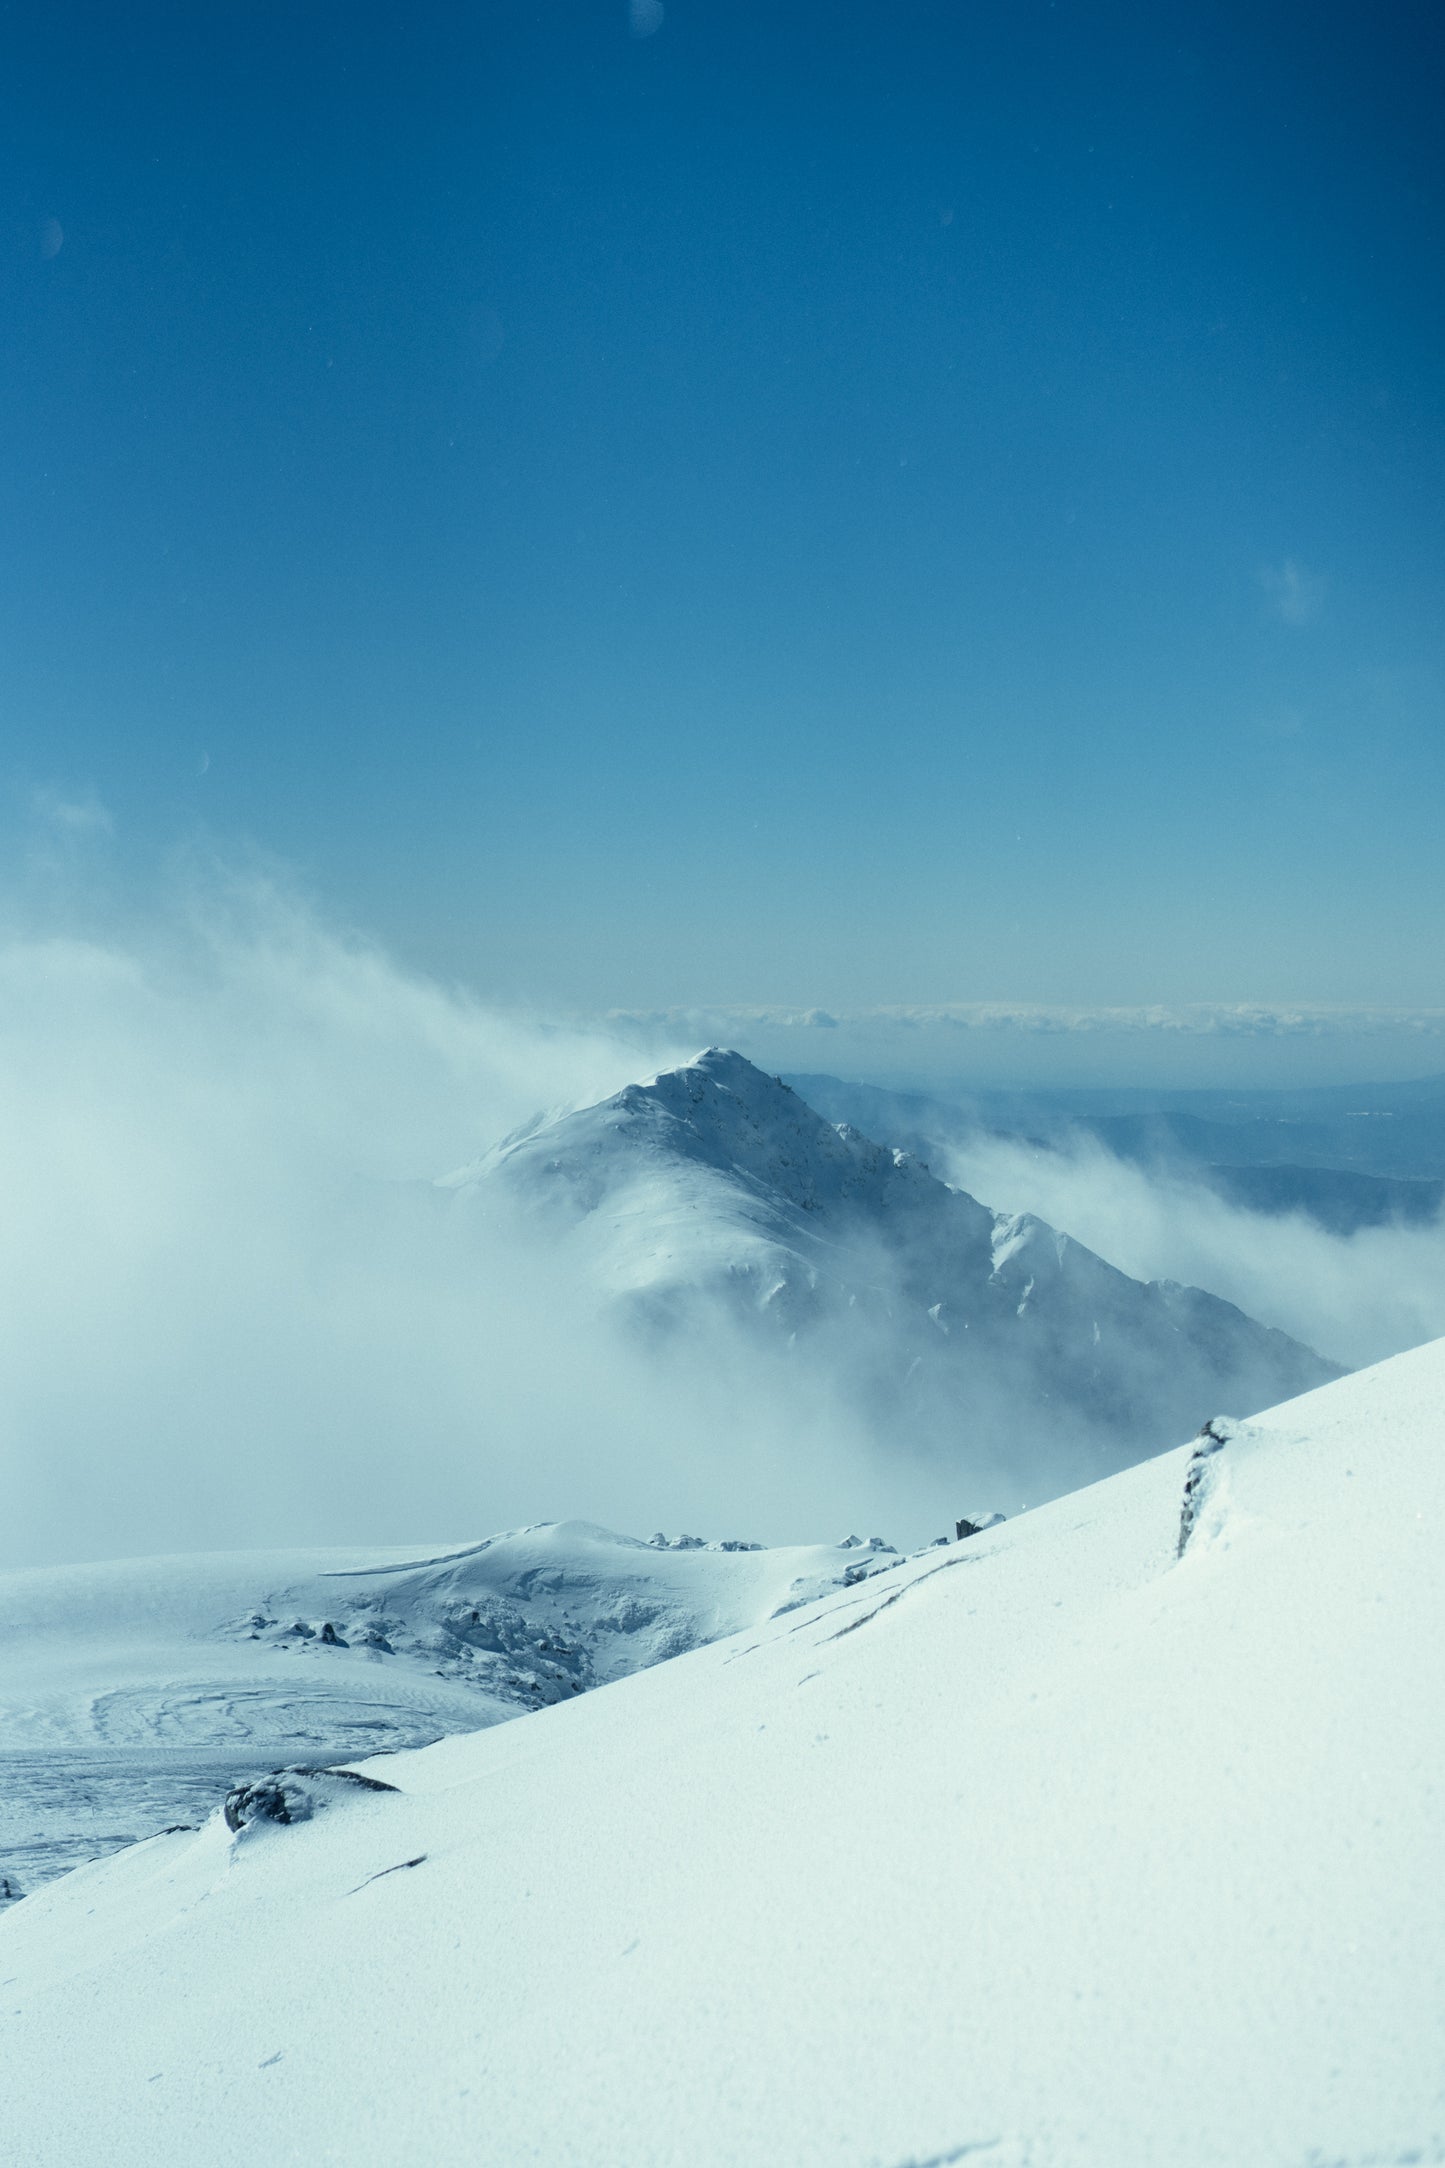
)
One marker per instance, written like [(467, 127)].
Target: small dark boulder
[(963, 1529), (294, 1795)]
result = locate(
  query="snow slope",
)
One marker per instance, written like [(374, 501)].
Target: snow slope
[(715, 1190), (133, 1694), (1052, 1849)]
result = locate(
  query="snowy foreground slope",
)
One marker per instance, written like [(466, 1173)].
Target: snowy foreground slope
[(133, 1694), (1050, 1849), (713, 1191)]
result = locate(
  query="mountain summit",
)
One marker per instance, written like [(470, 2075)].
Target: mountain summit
[(714, 1190)]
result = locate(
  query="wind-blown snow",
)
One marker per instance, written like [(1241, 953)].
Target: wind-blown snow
[(1055, 1848)]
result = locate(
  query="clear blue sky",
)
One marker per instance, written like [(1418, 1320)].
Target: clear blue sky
[(824, 502)]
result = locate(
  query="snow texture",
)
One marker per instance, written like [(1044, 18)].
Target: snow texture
[(1051, 1849), (133, 1696)]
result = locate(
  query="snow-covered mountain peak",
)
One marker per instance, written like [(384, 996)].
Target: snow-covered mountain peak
[(730, 1071), (714, 1190), (718, 1113)]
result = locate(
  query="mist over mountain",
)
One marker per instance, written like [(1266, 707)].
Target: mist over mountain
[(888, 540), (1393, 1133), (986, 1339), (1318, 1211)]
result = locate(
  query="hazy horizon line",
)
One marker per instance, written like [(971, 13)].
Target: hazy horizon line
[(1199, 1019)]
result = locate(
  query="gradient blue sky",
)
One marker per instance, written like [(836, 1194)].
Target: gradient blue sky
[(821, 503)]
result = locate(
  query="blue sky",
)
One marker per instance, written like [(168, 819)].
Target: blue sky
[(829, 504)]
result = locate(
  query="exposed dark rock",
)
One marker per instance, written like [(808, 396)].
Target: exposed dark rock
[(293, 1795), (962, 1529), (1215, 1435)]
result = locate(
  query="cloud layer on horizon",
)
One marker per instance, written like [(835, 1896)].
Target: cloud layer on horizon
[(1199, 1019)]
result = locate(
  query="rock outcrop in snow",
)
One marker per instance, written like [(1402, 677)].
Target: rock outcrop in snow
[(294, 1795)]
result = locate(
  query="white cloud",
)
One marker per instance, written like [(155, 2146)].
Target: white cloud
[(1355, 1299), (74, 817), (1296, 596), (234, 1311), (1200, 1019)]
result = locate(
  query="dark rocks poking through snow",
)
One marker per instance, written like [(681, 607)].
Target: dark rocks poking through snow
[(962, 1529), (10, 1890), (1216, 1434), (491, 1643), (294, 1795), (660, 1542)]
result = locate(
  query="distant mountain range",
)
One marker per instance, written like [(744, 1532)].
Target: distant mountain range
[(716, 1192), (1346, 1158)]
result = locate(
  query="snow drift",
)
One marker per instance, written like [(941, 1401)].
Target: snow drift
[(133, 1695), (1063, 1847)]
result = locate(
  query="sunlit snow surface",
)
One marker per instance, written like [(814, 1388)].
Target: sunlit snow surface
[(1049, 1848), (132, 1695)]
